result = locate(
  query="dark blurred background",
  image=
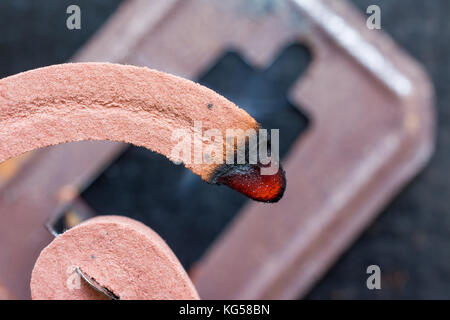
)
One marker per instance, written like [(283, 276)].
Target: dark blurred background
[(410, 240)]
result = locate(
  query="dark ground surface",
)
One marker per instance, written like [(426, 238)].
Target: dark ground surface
[(410, 240)]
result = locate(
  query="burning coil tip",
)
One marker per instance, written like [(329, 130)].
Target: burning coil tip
[(249, 181)]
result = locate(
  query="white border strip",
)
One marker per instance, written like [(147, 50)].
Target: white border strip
[(352, 41)]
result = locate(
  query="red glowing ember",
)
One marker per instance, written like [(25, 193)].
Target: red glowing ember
[(248, 180)]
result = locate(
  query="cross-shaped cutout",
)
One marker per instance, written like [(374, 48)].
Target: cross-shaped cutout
[(185, 211)]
